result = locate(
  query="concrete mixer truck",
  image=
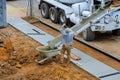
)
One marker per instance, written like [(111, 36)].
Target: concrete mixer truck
[(76, 11)]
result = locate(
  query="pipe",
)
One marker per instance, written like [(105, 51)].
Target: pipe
[(91, 5), (31, 8)]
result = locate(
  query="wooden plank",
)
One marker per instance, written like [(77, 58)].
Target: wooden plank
[(74, 56)]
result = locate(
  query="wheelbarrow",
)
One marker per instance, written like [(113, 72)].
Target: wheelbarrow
[(48, 53)]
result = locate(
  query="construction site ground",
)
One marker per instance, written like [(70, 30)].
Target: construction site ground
[(22, 65)]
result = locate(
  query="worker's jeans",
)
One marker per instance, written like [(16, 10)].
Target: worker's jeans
[(65, 48)]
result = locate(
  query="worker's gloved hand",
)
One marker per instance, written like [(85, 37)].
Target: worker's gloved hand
[(64, 24)]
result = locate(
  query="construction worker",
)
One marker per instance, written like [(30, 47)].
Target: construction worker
[(67, 38)]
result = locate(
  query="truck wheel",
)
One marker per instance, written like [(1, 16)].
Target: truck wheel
[(53, 12), (88, 34), (44, 9), (62, 17), (116, 32)]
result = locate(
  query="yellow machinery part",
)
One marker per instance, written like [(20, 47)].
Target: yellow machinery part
[(115, 3)]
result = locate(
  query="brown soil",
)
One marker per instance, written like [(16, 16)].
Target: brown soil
[(22, 65)]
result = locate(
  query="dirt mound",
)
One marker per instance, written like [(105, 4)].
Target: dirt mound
[(6, 69), (54, 71), (26, 54)]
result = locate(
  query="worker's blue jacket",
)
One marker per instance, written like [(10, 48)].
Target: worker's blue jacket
[(67, 35)]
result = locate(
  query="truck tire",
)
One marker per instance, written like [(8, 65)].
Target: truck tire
[(116, 32), (62, 17), (88, 34), (53, 12), (44, 10)]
